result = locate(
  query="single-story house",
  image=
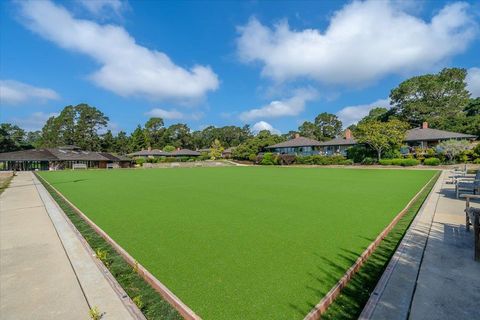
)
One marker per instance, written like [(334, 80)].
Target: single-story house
[(60, 158), (423, 137), (299, 146), (155, 153), (338, 145), (227, 153)]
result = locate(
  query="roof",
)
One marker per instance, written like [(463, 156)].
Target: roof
[(146, 153), (229, 150), (184, 152), (339, 141), (57, 154), (28, 155), (426, 134), (204, 150), (296, 142)]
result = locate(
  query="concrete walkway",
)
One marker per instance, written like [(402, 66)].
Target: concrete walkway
[(432, 274), (46, 272)]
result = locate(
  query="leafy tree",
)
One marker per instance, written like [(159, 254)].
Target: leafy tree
[(178, 135), (88, 122), (452, 148), (434, 98), (137, 140), (256, 144), (381, 136), (473, 108), (122, 143), (34, 138), (12, 138), (375, 114), (50, 133), (329, 126), (309, 130), (216, 150), (154, 131), (107, 142), (169, 148)]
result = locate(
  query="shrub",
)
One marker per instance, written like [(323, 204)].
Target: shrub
[(323, 160), (140, 161), (386, 162), (268, 159), (286, 159), (431, 162), (138, 302), (359, 152), (252, 157), (346, 162), (409, 162), (368, 161)]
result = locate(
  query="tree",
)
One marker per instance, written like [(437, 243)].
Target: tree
[(122, 143), (137, 140), (50, 133), (107, 142), (381, 136), (473, 108), (216, 150), (309, 130), (33, 138), (435, 98), (89, 121), (452, 148), (178, 135), (168, 148), (375, 114), (256, 144), (154, 131), (329, 126), (12, 138)]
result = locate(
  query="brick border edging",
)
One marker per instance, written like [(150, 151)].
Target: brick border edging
[(328, 299), (168, 295)]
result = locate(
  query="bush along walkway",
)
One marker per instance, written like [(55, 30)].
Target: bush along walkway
[(152, 305)]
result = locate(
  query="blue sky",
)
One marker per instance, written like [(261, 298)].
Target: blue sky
[(270, 64)]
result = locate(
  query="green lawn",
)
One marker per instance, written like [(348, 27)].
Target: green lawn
[(243, 242)]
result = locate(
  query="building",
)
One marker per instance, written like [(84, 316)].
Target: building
[(60, 158), (156, 153), (423, 137), (339, 145), (300, 146), (227, 153)]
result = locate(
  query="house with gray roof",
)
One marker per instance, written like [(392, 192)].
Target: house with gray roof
[(425, 137), (156, 153), (299, 146), (60, 158)]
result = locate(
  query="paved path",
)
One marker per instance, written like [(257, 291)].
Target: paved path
[(45, 270), (432, 274)]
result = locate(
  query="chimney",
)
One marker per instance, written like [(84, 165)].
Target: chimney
[(297, 135), (348, 134), (425, 125), (178, 149), (149, 148)]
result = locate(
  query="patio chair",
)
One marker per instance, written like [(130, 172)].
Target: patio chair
[(468, 184), (472, 217)]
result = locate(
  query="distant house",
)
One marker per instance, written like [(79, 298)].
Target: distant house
[(299, 146), (154, 153), (227, 153), (423, 137), (339, 145), (60, 158)]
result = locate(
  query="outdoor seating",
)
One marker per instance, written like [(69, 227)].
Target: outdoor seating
[(467, 184), (472, 217)]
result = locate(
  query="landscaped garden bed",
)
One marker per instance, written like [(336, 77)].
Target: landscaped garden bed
[(243, 242)]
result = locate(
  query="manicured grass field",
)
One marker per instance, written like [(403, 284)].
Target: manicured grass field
[(243, 242)]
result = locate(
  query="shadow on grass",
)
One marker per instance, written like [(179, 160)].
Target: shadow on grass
[(349, 304)]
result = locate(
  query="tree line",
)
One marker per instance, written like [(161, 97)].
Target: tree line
[(440, 99)]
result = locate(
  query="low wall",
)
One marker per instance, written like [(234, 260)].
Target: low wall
[(192, 164)]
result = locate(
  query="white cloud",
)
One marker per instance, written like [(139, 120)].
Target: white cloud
[(262, 125), (15, 92), (281, 108), (473, 82), (352, 114), (33, 122), (100, 7), (127, 68), (363, 42), (173, 114)]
